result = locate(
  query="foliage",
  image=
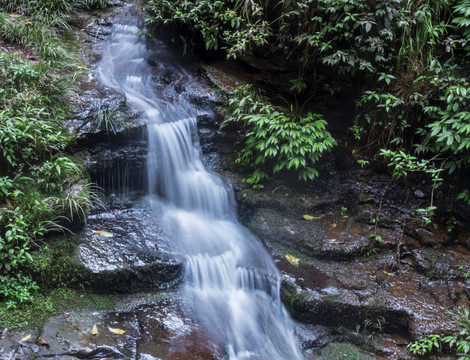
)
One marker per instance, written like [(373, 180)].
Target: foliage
[(461, 339), (275, 139), (41, 189), (403, 61), (238, 23), (17, 289), (35, 314), (110, 120), (426, 345)]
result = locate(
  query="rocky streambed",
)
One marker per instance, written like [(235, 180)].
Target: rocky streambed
[(374, 292)]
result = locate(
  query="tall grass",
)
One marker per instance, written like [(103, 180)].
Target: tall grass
[(41, 189)]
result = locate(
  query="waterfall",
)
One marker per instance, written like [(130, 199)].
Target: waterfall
[(230, 279)]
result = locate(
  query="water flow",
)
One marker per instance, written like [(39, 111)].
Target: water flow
[(230, 279)]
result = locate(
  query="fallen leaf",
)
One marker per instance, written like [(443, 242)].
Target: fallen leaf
[(333, 225), (311, 218), (292, 259), (40, 341), (116, 331), (102, 233), (332, 240), (26, 338), (372, 276), (94, 331)]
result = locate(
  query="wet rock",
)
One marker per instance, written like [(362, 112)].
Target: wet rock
[(314, 336), (419, 194), (326, 237), (169, 333), (70, 334), (203, 98), (224, 77), (118, 169), (338, 307), (124, 250), (12, 348), (151, 62), (101, 113), (429, 237), (166, 78)]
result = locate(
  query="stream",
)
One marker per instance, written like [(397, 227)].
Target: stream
[(230, 280)]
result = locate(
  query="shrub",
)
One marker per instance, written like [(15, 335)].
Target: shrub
[(276, 140)]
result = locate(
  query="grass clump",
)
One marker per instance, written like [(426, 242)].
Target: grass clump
[(42, 189)]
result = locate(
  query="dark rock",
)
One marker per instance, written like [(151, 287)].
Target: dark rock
[(326, 237), (118, 169), (180, 89), (101, 113), (336, 307), (203, 98), (151, 62), (134, 256)]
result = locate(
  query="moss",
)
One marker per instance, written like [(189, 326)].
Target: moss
[(57, 301), (289, 295), (57, 266), (335, 351)]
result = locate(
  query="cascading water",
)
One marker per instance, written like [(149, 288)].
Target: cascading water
[(230, 279)]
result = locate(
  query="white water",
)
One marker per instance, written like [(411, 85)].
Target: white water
[(230, 279)]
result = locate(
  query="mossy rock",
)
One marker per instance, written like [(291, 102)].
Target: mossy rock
[(336, 351)]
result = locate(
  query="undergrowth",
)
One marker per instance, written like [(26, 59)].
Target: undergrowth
[(277, 139), (405, 64), (42, 189)]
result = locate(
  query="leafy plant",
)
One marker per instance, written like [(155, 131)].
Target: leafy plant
[(276, 140), (426, 345), (461, 339), (17, 289), (40, 189)]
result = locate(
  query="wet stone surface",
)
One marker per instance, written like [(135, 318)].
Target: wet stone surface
[(170, 334), (124, 250), (143, 327)]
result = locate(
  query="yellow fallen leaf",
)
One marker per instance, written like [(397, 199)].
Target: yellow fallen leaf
[(26, 338), (292, 259), (332, 240), (116, 331), (102, 233), (333, 225), (94, 331), (311, 218)]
